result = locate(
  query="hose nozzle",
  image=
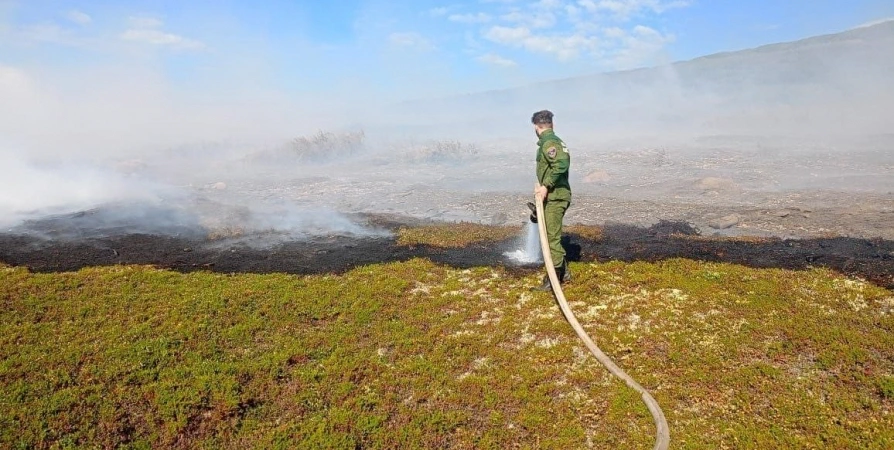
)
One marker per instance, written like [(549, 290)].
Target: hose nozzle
[(533, 209)]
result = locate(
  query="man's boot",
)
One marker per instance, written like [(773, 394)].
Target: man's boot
[(545, 285), (561, 273)]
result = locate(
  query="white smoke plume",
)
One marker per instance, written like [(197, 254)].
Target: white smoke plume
[(122, 136)]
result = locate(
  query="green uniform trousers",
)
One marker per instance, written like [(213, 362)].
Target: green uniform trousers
[(555, 213)]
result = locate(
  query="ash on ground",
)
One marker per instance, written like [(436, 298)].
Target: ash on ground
[(814, 204)]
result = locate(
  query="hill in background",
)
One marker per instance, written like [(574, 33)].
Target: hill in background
[(838, 84)]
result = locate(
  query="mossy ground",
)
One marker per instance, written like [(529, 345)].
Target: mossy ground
[(419, 355)]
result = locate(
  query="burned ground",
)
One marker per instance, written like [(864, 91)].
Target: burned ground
[(871, 259)]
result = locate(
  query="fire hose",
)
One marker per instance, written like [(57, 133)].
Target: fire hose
[(662, 433)]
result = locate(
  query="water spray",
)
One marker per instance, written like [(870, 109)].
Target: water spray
[(529, 253)]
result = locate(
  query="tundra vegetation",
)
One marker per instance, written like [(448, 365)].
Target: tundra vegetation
[(419, 355)]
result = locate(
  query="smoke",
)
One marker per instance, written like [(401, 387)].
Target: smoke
[(76, 200), (31, 189), (117, 148)]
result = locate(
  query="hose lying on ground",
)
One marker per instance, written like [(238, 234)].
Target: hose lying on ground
[(662, 433)]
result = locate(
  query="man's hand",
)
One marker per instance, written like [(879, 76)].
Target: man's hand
[(540, 192)]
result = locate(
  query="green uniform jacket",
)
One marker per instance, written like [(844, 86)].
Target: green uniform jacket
[(553, 161)]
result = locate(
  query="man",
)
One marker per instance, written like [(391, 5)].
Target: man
[(553, 189)]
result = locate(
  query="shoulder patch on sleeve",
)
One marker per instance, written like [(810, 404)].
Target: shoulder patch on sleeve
[(551, 151)]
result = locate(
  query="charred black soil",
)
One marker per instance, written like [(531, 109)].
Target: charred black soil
[(871, 259)]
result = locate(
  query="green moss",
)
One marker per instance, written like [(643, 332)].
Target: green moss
[(886, 386), (418, 355)]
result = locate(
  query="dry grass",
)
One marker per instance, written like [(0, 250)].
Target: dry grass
[(441, 151), (590, 232), (454, 235), (327, 145)]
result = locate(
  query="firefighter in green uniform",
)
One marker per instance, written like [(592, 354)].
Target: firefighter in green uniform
[(553, 189)]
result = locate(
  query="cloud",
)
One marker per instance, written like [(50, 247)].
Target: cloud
[(507, 35), (50, 33), (614, 33), (611, 34), (637, 46), (627, 8), (496, 60), (410, 40), (144, 30), (148, 30), (144, 22), (438, 12), (563, 47), (158, 37), (541, 14), (45, 33), (469, 18), (527, 19), (79, 17)]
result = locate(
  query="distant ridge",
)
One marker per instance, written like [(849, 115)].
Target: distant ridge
[(801, 83)]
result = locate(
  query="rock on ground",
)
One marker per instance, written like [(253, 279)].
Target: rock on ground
[(724, 222), (597, 176), (715, 184)]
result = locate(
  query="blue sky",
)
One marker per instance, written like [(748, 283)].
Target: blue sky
[(398, 49), (108, 73)]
